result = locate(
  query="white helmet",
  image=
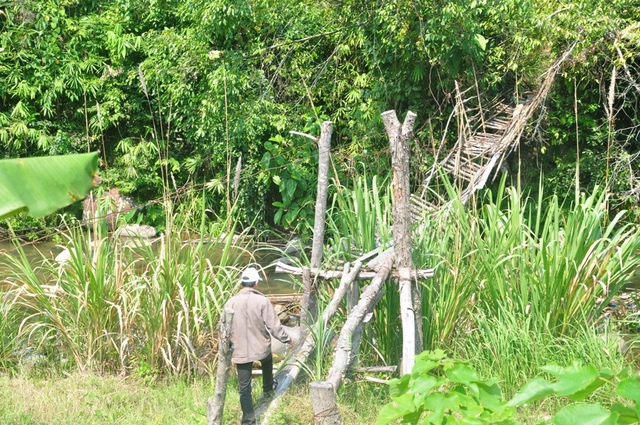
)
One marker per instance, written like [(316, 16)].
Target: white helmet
[(250, 276)]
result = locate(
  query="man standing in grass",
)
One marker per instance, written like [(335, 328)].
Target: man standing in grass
[(254, 321)]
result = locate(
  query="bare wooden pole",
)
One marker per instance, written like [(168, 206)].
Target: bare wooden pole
[(236, 180), (324, 148), (215, 404), (309, 304), (337, 274), (399, 138)]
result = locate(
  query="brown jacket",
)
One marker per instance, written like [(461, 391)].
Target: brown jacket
[(254, 318)]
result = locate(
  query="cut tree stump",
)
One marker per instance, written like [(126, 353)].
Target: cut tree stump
[(323, 399)]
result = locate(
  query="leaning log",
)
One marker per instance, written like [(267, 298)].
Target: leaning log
[(367, 301), (215, 404), (290, 372), (369, 298)]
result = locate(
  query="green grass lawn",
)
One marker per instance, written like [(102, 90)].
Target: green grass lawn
[(91, 399)]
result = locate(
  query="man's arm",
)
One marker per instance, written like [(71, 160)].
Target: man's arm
[(272, 322)]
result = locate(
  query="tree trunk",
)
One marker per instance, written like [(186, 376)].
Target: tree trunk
[(399, 138), (309, 305), (324, 148), (323, 399), (215, 404)]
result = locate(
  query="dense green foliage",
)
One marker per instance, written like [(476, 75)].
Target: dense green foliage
[(175, 92), (440, 390)]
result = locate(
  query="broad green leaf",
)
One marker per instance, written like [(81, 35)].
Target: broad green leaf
[(291, 187), (482, 42), (388, 414), (436, 404), (400, 386), (628, 415), (585, 414), (400, 406), (629, 388), (532, 391), (423, 366), (423, 384), (572, 379), (462, 373), (490, 396), (587, 391), (42, 185)]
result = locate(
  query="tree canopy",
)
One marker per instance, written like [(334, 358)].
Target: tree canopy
[(174, 92)]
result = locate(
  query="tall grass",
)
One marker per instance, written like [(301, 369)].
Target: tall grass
[(10, 319), (446, 244), (359, 218), (553, 272), (504, 348), (118, 306), (318, 365), (359, 221)]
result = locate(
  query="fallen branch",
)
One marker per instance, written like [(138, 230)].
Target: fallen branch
[(376, 380), (376, 369)]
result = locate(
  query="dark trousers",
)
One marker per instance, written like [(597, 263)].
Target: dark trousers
[(244, 386)]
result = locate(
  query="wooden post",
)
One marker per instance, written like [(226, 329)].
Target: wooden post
[(399, 138), (215, 404), (309, 303), (309, 310), (324, 148), (323, 400)]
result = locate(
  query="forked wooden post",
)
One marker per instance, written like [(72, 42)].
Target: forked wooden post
[(399, 138), (215, 404)]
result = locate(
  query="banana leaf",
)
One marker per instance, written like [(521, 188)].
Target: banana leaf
[(42, 185)]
